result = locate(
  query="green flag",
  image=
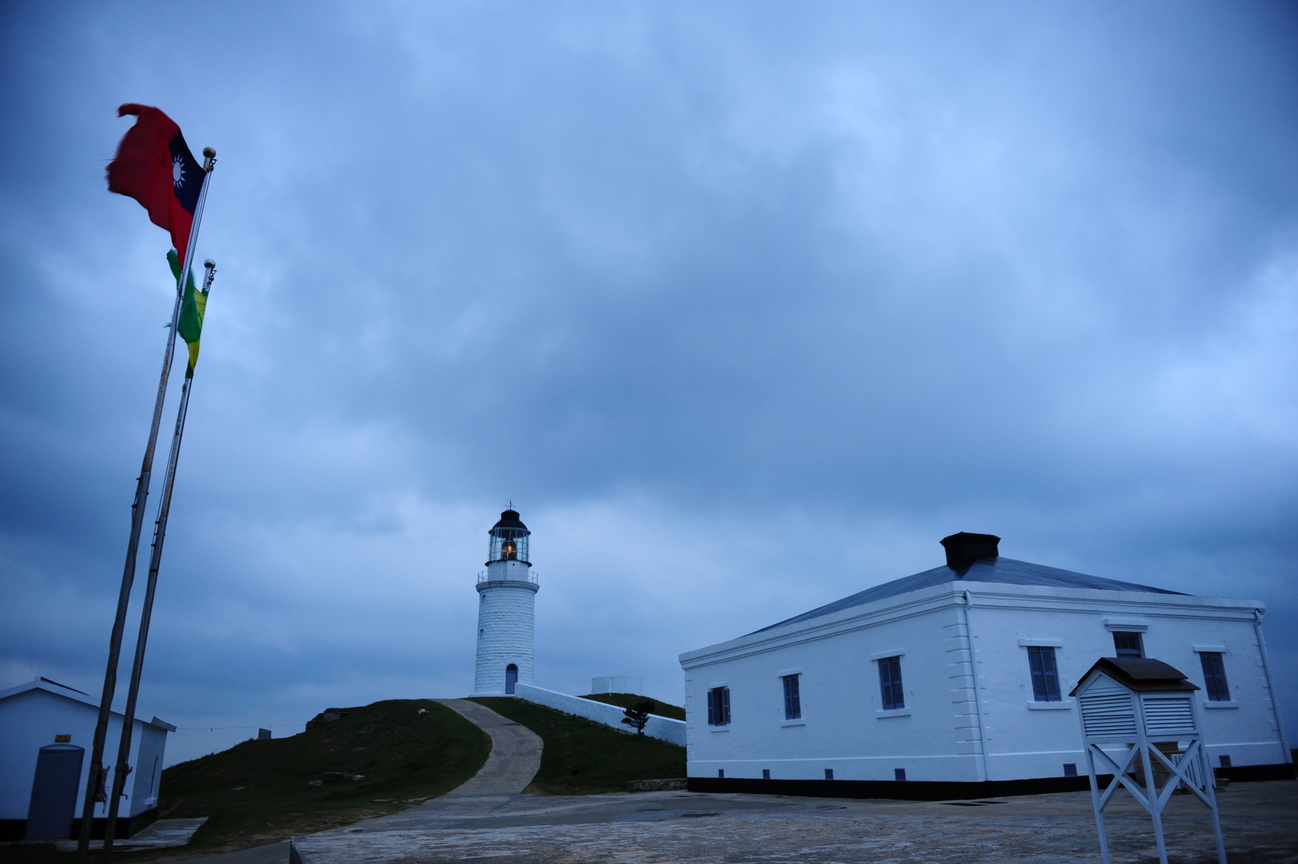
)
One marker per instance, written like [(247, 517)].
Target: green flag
[(191, 312)]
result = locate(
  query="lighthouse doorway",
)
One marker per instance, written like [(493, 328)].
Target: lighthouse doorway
[(511, 678)]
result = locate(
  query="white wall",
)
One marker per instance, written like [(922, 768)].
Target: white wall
[(506, 634), (617, 684), (1018, 731), (843, 725), (662, 728), (950, 729)]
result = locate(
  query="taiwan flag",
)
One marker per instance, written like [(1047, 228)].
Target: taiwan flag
[(154, 166)]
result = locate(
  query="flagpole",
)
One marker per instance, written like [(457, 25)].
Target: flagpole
[(123, 768), (97, 775)]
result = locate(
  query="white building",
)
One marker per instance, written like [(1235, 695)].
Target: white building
[(46, 731), (506, 611), (633, 684), (955, 680)]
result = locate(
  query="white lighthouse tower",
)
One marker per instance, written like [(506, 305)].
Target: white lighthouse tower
[(506, 611)]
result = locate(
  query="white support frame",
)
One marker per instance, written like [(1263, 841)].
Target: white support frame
[(1189, 767)]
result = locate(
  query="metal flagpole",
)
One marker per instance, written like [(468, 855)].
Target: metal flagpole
[(97, 775), (123, 768)]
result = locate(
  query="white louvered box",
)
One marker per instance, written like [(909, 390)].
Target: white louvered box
[(1112, 712)]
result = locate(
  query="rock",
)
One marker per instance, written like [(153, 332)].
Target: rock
[(329, 715)]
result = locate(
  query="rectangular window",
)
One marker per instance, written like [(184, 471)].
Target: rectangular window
[(1045, 680), (890, 683), (766, 773), (899, 774), (1070, 769), (1214, 677), (1128, 644), (829, 773), (792, 700), (719, 706)]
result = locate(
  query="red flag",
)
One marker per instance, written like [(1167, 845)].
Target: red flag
[(154, 166)]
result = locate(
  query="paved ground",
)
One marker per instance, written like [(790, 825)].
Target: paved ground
[(488, 820), (162, 834), (1260, 821)]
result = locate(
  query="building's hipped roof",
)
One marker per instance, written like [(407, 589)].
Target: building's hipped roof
[(1005, 571)]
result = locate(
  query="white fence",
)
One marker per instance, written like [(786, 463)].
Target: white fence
[(662, 728)]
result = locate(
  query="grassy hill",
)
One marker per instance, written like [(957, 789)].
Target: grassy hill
[(626, 700), (259, 791), (585, 758)]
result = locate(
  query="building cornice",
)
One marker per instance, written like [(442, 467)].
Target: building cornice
[(985, 595)]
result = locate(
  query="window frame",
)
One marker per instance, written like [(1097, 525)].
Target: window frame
[(792, 696), (1216, 686), (891, 691), (1045, 682), (1132, 635), (719, 706)]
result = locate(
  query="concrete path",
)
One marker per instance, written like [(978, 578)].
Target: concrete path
[(674, 827), (515, 753), (162, 834)]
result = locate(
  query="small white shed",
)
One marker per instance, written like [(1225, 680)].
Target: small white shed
[(46, 733)]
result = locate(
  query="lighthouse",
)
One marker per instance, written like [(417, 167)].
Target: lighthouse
[(506, 611)]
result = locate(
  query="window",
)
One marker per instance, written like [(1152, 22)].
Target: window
[(1128, 644), (899, 774), (829, 773), (1214, 676), (890, 683), (792, 701), (1045, 680), (1070, 769), (719, 706), (766, 773)]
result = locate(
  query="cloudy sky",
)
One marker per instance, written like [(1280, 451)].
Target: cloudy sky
[(744, 306)]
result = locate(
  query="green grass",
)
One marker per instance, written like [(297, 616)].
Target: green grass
[(258, 792), (585, 758), (626, 700)]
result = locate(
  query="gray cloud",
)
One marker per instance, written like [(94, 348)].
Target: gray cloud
[(713, 294)]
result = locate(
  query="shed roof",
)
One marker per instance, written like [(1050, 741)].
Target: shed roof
[(1140, 674), (73, 695), (1005, 571)]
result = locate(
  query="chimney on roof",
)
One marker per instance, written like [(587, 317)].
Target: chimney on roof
[(963, 549)]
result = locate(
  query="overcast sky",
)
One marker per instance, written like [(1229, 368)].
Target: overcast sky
[(744, 306)]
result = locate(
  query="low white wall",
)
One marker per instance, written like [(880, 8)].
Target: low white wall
[(662, 728)]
